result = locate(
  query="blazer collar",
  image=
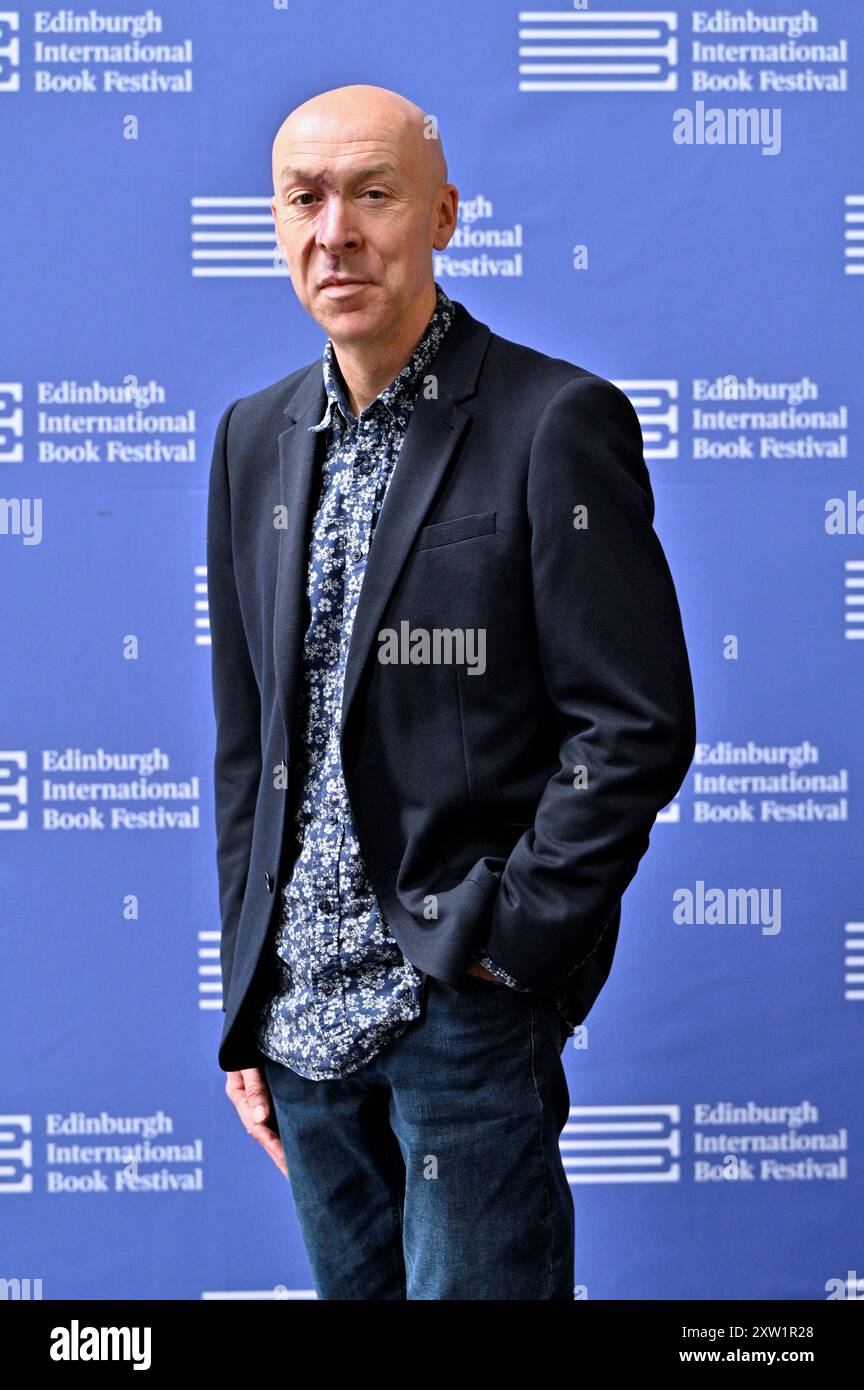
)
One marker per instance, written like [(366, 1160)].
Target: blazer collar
[(459, 357)]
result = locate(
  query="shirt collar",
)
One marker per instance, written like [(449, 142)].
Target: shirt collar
[(397, 397)]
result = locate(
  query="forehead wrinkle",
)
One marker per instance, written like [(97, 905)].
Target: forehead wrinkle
[(322, 177)]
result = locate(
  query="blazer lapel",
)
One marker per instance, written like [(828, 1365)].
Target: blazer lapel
[(433, 434), (298, 448)]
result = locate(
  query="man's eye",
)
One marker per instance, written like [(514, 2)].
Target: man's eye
[(297, 196), (375, 192)]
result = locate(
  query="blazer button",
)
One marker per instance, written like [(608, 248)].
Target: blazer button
[(268, 879)]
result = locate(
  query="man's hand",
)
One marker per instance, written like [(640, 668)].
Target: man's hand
[(248, 1093), (474, 968)]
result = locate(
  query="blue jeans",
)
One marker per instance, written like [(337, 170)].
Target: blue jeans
[(434, 1171)]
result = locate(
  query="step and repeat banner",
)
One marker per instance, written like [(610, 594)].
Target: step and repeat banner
[(671, 197)]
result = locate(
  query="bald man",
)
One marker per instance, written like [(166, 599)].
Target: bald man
[(451, 692)]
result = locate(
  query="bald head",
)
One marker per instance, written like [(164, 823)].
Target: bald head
[(353, 116), (361, 201)]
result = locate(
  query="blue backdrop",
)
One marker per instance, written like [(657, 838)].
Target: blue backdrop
[(616, 211)]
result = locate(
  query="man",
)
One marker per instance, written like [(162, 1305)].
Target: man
[(452, 692)]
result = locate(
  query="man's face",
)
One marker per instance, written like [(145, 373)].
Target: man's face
[(357, 214)]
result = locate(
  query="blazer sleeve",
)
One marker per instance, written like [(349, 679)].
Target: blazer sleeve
[(237, 707), (615, 664)]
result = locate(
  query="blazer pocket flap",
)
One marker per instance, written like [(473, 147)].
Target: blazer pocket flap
[(460, 528)]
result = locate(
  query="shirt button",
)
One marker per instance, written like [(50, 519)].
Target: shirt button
[(327, 986), (357, 554), (325, 904)]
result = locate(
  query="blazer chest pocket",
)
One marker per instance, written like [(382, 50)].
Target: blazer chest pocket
[(460, 528)]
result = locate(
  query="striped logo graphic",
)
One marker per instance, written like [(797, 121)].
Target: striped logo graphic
[(209, 971), (11, 422), (16, 1154), (622, 1143), (598, 51), (202, 608), (13, 789), (854, 596), (10, 51), (854, 220), (234, 237), (853, 962), (655, 403)]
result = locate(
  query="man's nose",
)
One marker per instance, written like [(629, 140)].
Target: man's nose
[(336, 227)]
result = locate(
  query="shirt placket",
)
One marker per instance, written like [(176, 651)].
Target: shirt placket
[(330, 906)]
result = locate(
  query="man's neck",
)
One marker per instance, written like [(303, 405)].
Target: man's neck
[(368, 367)]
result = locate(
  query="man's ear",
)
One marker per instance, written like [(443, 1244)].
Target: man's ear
[(447, 223)]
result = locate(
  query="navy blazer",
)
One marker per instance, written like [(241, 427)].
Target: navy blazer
[(475, 823)]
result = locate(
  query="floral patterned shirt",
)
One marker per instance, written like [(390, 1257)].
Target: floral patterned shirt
[(345, 987)]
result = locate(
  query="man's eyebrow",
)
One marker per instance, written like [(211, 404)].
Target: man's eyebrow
[(292, 175)]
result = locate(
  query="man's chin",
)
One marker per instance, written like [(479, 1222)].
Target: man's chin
[(345, 323)]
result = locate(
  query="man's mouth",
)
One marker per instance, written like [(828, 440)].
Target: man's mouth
[(342, 285)]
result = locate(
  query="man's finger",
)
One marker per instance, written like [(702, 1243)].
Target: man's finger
[(248, 1092), (250, 1097), (257, 1098), (273, 1145)]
